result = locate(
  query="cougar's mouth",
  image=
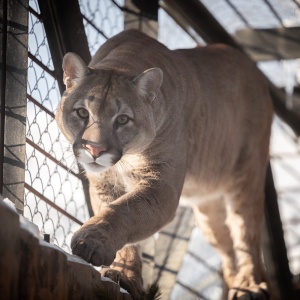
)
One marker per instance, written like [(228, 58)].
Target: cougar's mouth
[(96, 164), (94, 167)]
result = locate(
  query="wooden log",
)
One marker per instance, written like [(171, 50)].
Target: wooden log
[(9, 252), (86, 283), (31, 269), (29, 265), (52, 273)]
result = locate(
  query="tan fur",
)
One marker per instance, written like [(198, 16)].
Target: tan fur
[(199, 126)]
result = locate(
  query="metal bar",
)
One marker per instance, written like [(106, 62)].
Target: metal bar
[(237, 12), (36, 14), (13, 105), (94, 26), (52, 204), (35, 146), (195, 19), (43, 108), (272, 9), (41, 65)]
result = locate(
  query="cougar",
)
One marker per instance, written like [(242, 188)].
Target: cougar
[(148, 125)]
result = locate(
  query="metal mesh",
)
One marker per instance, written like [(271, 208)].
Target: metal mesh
[(54, 198), (102, 20)]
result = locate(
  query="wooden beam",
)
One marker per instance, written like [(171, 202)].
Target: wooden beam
[(65, 32), (138, 21), (270, 44), (13, 87)]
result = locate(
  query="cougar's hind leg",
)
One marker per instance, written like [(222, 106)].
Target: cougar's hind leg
[(211, 218), (245, 213)]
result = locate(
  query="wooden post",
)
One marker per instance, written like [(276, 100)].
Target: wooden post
[(13, 88), (64, 28)]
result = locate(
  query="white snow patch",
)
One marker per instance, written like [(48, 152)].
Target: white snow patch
[(10, 204), (30, 227)]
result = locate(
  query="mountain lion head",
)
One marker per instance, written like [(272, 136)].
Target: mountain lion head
[(106, 114)]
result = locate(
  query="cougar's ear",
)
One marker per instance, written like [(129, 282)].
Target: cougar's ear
[(149, 82), (73, 67)]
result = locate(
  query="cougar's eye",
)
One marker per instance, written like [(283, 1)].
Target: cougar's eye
[(82, 113), (122, 119)]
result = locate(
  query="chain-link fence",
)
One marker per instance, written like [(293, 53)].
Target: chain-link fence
[(102, 20), (54, 199)]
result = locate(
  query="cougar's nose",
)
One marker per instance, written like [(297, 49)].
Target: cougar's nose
[(95, 151)]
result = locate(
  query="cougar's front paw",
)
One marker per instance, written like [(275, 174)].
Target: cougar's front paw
[(92, 246), (249, 292), (134, 286)]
